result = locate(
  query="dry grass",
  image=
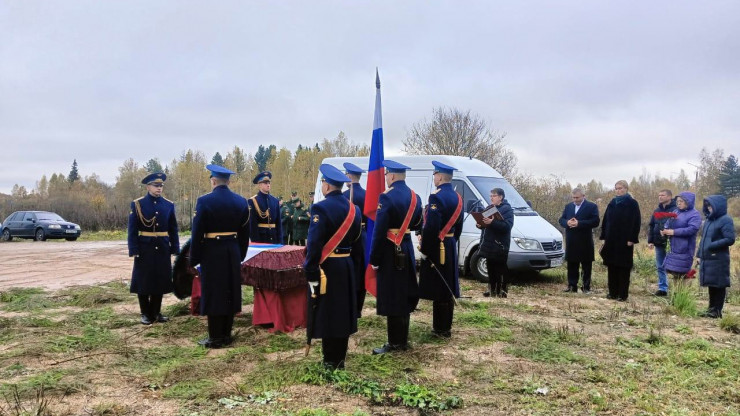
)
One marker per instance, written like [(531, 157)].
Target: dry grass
[(538, 352)]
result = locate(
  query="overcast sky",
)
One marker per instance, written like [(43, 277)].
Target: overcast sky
[(584, 89)]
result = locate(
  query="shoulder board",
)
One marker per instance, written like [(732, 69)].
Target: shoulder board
[(435, 191), (138, 199), (388, 190), (167, 200)]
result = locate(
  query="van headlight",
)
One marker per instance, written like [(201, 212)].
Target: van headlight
[(55, 226), (527, 243), (77, 227)]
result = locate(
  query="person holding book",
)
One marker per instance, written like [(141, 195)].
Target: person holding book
[(495, 242)]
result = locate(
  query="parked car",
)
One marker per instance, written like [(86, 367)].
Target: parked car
[(38, 225), (535, 243)]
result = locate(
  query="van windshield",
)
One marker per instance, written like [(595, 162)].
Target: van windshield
[(485, 184)]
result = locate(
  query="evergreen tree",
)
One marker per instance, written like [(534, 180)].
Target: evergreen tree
[(217, 159), (74, 174), (263, 155), (153, 166), (729, 177)]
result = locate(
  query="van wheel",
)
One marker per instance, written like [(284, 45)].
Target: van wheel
[(40, 235), (479, 267), (6, 235)]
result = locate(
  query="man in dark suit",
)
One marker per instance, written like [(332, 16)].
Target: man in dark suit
[(579, 218), (357, 195), (266, 226), (334, 226), (392, 255), (152, 238), (220, 240), (438, 274)]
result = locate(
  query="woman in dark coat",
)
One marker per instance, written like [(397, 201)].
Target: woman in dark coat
[(620, 228), (494, 245), (713, 253)]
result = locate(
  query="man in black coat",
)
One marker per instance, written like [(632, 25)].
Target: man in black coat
[(335, 225), (579, 218), (392, 255), (152, 238), (220, 241), (657, 241), (620, 230)]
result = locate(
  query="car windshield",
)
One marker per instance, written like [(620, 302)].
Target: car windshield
[(485, 184), (49, 216)]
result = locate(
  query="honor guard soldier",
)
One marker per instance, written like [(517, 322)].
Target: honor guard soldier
[(266, 226), (335, 225), (357, 195), (301, 219), (392, 255), (438, 274), (219, 244), (152, 238)]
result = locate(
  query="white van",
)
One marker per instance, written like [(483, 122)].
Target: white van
[(535, 243)]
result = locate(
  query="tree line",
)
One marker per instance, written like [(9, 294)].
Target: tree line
[(96, 205)]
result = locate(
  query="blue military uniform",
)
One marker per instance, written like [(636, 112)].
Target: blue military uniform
[(438, 273), (397, 288), (334, 317), (219, 244), (266, 226), (152, 238), (358, 249)]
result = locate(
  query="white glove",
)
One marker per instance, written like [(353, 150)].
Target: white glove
[(313, 286), (374, 267), (423, 256)]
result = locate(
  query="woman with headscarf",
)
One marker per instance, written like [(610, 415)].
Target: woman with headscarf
[(620, 228), (713, 254), (682, 232)]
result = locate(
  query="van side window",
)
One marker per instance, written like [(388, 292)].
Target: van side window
[(470, 201)]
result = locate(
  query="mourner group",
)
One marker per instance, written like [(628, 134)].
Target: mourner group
[(339, 264)]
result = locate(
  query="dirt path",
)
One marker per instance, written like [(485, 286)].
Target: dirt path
[(55, 265)]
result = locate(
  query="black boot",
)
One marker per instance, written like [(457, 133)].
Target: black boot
[(215, 333), (504, 290), (155, 309), (227, 327), (442, 318), (144, 306), (397, 335)]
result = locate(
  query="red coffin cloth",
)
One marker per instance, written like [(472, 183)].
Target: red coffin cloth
[(279, 269), (286, 310), (195, 297)]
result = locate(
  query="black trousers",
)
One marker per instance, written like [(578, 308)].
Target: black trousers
[(219, 327), (619, 281), (398, 330), (150, 305), (717, 297), (334, 351), (498, 275), (585, 267), (442, 314)]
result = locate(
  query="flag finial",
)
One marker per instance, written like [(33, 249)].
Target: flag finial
[(377, 78)]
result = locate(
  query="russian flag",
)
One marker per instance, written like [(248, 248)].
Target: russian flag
[(375, 185)]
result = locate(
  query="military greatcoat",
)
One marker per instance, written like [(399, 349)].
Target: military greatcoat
[(397, 290), (152, 238)]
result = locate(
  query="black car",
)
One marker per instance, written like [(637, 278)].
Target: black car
[(39, 225)]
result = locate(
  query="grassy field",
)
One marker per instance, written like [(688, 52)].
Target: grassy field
[(81, 351)]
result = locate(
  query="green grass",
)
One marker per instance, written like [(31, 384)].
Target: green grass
[(23, 299), (91, 296), (683, 300), (730, 323)]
